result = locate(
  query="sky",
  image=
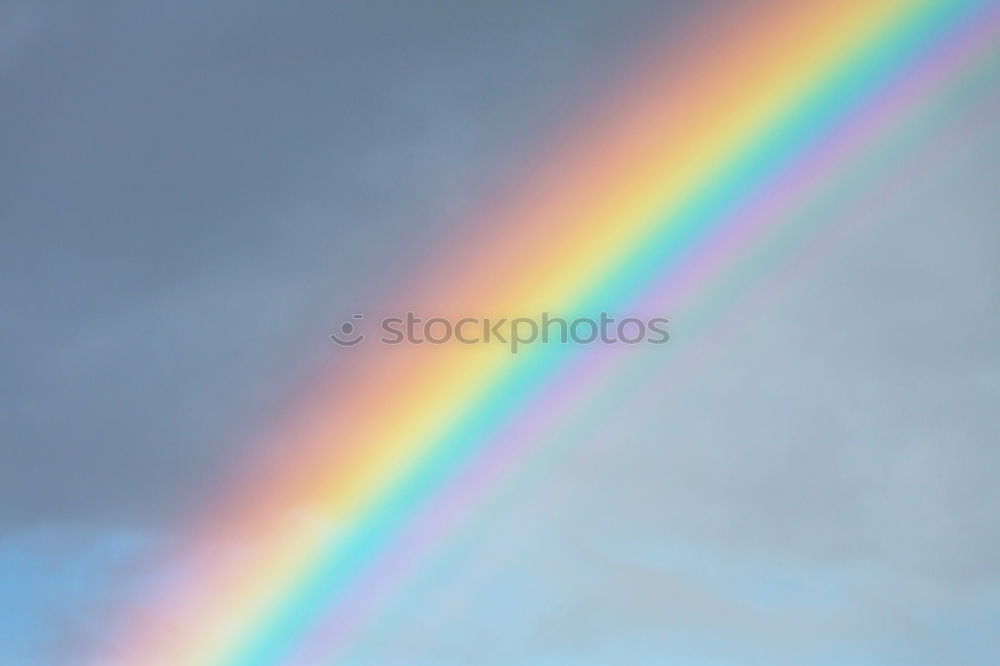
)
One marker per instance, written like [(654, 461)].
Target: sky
[(193, 194)]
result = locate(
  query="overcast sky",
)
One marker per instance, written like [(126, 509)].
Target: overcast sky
[(193, 192)]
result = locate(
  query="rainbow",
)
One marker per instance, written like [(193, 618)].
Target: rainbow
[(638, 208)]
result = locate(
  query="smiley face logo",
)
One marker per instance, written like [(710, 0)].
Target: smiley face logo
[(349, 335)]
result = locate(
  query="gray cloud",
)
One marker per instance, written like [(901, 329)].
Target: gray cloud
[(193, 193)]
